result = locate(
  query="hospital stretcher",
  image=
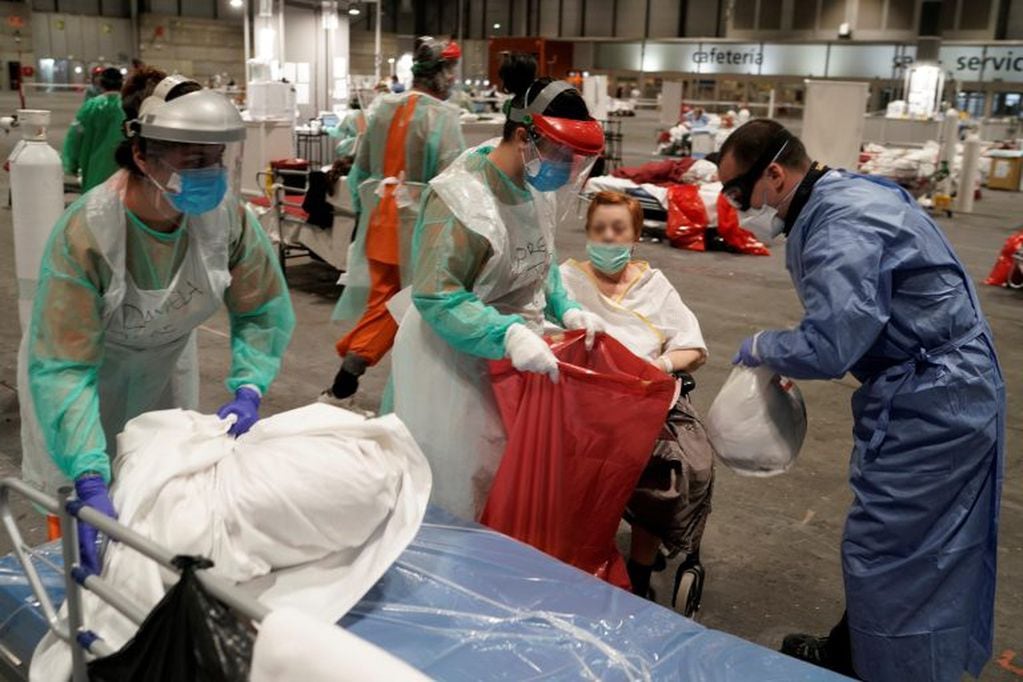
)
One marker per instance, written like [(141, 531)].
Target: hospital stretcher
[(284, 220), (461, 603)]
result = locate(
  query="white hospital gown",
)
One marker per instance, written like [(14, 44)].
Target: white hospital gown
[(649, 318)]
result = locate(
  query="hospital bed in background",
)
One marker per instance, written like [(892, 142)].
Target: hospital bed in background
[(461, 603), (652, 199)]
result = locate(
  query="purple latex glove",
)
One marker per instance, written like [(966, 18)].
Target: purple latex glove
[(747, 354), (92, 492), (245, 407)]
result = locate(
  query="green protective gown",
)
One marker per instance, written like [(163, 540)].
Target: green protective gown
[(432, 142), (92, 138), (101, 349), (484, 260), (347, 133), (449, 258)]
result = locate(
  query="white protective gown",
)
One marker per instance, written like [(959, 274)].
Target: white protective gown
[(649, 318)]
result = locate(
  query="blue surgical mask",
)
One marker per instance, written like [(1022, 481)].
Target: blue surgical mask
[(550, 176), (609, 258), (196, 190)]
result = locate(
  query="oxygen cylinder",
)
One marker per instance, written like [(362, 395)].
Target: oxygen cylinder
[(37, 201), (968, 174), (949, 136)]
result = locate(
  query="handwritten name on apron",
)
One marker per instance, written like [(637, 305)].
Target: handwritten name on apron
[(156, 320)]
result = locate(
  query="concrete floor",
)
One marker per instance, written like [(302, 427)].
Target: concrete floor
[(771, 547)]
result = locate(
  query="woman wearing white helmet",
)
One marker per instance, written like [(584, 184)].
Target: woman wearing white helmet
[(130, 270)]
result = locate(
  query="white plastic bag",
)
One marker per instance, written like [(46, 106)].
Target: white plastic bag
[(757, 422)]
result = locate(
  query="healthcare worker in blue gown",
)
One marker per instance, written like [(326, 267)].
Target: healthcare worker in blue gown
[(887, 300)]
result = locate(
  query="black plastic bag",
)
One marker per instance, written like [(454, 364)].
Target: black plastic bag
[(188, 636)]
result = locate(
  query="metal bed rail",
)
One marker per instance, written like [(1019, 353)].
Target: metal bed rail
[(71, 629), (278, 192)]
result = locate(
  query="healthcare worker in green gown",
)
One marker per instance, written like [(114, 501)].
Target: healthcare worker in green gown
[(95, 133), (130, 271), (348, 131), (483, 282)]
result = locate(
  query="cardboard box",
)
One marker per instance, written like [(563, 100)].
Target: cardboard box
[(1006, 167)]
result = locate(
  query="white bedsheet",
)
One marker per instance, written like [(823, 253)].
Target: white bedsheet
[(709, 192), (613, 184), (316, 503)]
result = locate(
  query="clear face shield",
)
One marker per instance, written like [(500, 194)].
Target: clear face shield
[(552, 167), (193, 178), (559, 152), (561, 165)]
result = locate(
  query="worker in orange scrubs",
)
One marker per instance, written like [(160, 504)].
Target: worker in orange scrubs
[(410, 138)]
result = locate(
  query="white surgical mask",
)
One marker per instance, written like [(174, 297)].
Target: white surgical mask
[(764, 222)]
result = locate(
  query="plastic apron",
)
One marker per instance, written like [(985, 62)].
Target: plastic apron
[(920, 543), (390, 212), (444, 396), (150, 356)]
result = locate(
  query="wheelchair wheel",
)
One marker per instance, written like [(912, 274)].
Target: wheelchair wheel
[(688, 589)]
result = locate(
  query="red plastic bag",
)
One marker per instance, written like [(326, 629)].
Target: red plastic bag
[(737, 239), (687, 218), (688, 222), (1003, 266), (576, 450)]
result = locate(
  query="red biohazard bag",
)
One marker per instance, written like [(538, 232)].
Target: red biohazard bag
[(737, 239), (687, 218), (1003, 266), (576, 449)]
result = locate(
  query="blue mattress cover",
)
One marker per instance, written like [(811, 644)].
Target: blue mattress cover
[(466, 603)]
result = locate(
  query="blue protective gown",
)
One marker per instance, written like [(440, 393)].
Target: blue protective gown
[(887, 299)]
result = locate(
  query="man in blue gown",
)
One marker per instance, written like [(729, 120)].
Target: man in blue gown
[(887, 300)]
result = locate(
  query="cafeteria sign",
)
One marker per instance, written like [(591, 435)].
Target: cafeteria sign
[(726, 55)]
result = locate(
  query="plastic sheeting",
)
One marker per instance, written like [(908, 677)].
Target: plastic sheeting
[(465, 603), (757, 422)]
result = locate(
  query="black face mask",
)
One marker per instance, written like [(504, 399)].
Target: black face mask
[(739, 190)]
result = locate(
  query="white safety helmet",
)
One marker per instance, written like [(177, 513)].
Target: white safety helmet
[(204, 117), (193, 149), (157, 98), (162, 89)]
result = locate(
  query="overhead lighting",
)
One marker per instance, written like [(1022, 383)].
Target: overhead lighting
[(124, 71), (497, 26), (354, 11), (237, 4), (78, 69), (390, 60)]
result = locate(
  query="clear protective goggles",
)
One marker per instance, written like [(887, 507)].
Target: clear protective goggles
[(739, 190)]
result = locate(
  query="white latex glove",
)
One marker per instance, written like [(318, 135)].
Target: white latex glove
[(584, 319), (530, 353)]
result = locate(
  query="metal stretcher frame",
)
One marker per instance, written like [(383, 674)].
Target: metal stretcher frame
[(71, 629), (463, 602), (278, 204)]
